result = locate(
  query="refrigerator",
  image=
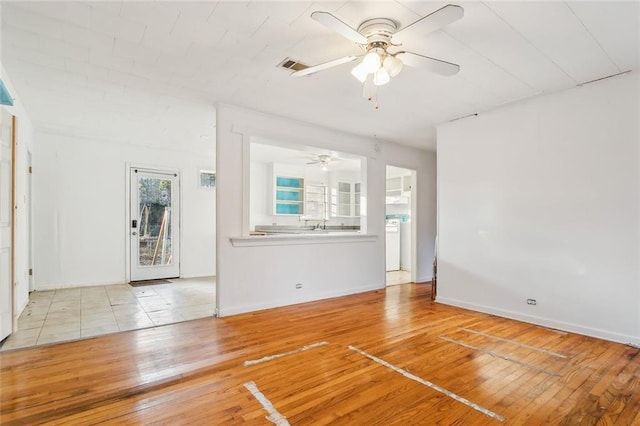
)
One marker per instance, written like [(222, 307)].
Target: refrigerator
[(393, 244)]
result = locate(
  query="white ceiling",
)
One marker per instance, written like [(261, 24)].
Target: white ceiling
[(151, 72)]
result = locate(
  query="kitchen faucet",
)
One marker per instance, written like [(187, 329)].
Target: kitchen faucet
[(321, 225)]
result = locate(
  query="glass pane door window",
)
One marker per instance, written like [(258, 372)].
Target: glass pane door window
[(154, 225), (154, 203)]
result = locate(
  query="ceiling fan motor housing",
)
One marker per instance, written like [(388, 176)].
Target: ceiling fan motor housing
[(378, 32)]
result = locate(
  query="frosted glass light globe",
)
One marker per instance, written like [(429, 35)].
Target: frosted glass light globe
[(393, 65), (371, 62), (381, 77), (360, 72)]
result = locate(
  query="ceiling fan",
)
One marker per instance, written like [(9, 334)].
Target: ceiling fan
[(379, 37), (323, 160)]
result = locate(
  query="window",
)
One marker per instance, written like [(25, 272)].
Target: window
[(207, 179)]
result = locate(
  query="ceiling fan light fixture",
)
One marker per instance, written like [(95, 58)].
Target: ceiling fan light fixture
[(376, 35), (381, 77), (360, 72), (371, 61), (393, 65)]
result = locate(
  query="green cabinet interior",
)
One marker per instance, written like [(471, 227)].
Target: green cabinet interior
[(289, 195)]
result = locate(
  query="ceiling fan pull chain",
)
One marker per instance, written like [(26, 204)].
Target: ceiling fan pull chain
[(369, 89)]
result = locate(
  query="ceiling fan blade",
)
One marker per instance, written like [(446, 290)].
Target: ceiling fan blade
[(335, 24), (430, 64), (434, 21), (324, 66)]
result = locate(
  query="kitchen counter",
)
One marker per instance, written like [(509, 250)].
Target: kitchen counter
[(309, 237)]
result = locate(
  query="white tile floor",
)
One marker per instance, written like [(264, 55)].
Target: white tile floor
[(68, 314)]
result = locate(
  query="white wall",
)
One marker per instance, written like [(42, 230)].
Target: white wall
[(540, 200), (80, 208), (24, 138), (251, 278)]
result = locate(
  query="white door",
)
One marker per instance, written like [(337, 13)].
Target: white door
[(154, 226), (6, 188)]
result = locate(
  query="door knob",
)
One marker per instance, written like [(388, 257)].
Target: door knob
[(134, 233)]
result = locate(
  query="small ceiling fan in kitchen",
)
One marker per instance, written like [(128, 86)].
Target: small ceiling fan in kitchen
[(323, 160), (382, 39)]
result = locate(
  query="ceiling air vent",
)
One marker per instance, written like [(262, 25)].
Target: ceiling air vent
[(292, 65)]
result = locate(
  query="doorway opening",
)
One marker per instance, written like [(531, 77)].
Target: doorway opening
[(399, 226)]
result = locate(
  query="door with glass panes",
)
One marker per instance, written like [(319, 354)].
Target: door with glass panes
[(154, 224)]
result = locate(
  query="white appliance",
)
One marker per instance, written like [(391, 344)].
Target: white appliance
[(393, 244), (405, 245)]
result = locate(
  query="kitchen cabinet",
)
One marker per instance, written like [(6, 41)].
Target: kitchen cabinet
[(289, 195), (399, 189), (346, 200)]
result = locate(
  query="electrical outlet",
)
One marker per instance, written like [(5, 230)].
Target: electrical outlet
[(531, 301), (298, 286)]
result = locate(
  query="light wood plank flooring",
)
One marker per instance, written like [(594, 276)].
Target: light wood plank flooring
[(384, 357)]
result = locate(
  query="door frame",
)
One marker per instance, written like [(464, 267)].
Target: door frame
[(414, 220), (127, 207), (29, 206), (14, 207), (8, 321)]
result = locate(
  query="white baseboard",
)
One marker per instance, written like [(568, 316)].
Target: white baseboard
[(189, 276), (22, 306), (546, 322), (47, 287), (242, 309)]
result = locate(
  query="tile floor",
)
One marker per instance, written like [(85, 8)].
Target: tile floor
[(398, 277), (74, 313)]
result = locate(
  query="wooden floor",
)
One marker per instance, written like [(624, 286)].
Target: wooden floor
[(391, 357)]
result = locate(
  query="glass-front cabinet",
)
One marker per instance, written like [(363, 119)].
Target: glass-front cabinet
[(289, 196), (345, 200)]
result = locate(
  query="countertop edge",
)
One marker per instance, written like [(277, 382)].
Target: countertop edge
[(276, 240)]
